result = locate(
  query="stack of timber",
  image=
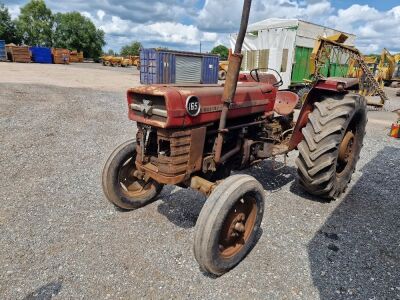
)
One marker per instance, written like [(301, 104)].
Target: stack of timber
[(18, 53), (61, 56), (76, 57)]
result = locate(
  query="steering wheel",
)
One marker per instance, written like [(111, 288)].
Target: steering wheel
[(256, 77)]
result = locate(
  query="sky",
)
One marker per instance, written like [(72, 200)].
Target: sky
[(183, 24)]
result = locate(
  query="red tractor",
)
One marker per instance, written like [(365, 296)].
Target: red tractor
[(195, 135)]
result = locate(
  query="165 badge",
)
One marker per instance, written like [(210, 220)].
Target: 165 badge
[(193, 106)]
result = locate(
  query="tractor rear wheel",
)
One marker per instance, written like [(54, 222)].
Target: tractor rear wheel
[(333, 138), (303, 94), (227, 226), (120, 185)]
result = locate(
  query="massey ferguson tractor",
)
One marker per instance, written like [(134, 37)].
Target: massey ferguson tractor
[(196, 135)]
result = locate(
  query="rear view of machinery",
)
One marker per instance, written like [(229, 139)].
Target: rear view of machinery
[(194, 135), (389, 69)]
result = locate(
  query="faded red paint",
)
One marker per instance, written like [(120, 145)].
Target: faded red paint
[(250, 98)]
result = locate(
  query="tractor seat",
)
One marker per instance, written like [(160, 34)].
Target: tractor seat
[(285, 102)]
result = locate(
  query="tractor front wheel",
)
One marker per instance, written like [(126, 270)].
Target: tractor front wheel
[(121, 186), (227, 227), (333, 138)]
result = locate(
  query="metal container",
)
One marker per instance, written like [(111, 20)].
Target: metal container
[(41, 55), (3, 53), (166, 67), (210, 68)]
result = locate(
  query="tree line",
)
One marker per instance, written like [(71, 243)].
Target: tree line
[(38, 26)]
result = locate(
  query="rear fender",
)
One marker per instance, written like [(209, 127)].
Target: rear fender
[(315, 95)]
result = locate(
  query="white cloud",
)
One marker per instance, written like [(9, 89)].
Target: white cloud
[(375, 29), (14, 10), (101, 14), (224, 15)]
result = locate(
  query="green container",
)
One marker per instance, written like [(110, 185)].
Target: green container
[(301, 67)]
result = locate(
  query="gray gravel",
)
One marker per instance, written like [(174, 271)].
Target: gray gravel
[(60, 237)]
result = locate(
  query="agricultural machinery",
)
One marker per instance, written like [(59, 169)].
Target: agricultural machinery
[(196, 135)]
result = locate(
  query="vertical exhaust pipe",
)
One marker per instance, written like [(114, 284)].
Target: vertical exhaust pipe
[(235, 61)]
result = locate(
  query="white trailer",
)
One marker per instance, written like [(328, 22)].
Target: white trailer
[(284, 45)]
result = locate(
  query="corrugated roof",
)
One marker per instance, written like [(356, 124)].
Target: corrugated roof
[(283, 23)]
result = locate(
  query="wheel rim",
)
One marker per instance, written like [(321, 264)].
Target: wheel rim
[(130, 185), (238, 226), (346, 152)]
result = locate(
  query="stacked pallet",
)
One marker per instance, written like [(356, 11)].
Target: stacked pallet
[(76, 57), (19, 53), (61, 56)]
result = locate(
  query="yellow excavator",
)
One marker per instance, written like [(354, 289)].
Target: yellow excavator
[(389, 69)]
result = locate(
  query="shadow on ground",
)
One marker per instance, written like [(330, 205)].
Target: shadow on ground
[(182, 207), (356, 253), (45, 292)]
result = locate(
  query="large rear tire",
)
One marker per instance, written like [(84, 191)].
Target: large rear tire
[(120, 185), (227, 227), (333, 138), (303, 94)]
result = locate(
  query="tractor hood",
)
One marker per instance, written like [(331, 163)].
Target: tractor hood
[(190, 105)]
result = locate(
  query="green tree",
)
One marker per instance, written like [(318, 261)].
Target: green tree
[(222, 51), (35, 24), (111, 52), (77, 32), (131, 49), (8, 30)]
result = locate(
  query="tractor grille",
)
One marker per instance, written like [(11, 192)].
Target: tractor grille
[(168, 151), (149, 106)]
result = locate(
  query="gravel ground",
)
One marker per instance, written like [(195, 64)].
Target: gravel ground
[(60, 237)]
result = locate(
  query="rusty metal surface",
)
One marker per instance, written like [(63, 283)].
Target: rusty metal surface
[(237, 226), (197, 140), (172, 163), (202, 185), (346, 147), (308, 107), (235, 61), (250, 98), (336, 84), (285, 102)]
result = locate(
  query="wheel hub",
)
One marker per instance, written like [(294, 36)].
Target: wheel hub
[(346, 147), (130, 184), (237, 227)]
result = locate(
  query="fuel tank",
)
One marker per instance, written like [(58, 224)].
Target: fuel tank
[(168, 106)]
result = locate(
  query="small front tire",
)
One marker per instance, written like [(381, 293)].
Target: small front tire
[(227, 227), (120, 185)]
